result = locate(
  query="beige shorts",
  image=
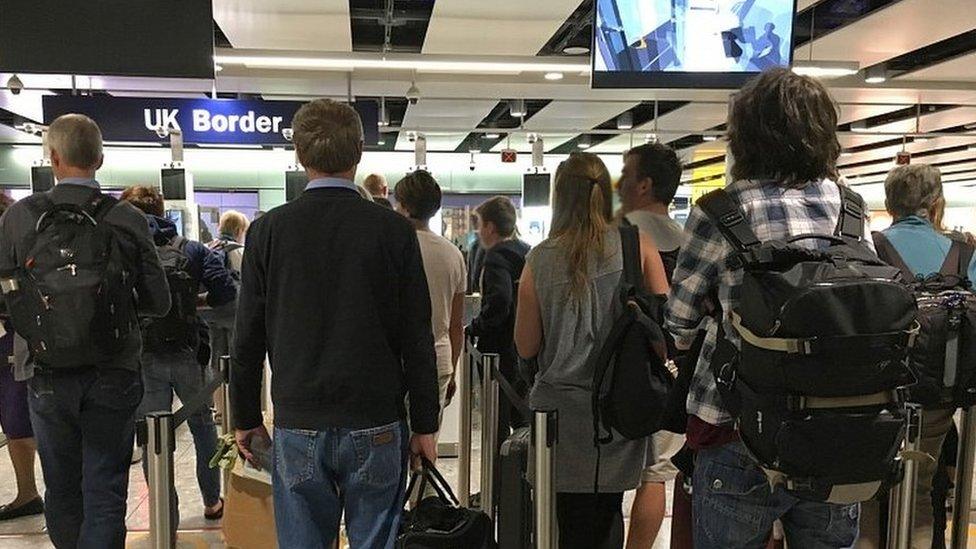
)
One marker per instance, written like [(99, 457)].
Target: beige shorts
[(660, 448)]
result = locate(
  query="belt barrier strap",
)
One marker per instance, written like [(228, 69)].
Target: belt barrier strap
[(815, 345), (810, 402)]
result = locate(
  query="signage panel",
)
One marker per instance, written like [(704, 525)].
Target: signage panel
[(202, 121)]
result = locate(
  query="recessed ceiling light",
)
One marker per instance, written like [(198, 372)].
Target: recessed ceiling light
[(710, 137), (381, 142), (584, 142), (876, 75), (490, 136), (576, 50), (826, 69), (625, 121), (554, 76)]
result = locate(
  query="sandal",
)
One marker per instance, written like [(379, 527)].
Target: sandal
[(216, 515)]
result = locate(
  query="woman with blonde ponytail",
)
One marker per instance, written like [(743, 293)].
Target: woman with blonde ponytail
[(565, 299)]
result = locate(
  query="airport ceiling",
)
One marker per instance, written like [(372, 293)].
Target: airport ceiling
[(927, 46)]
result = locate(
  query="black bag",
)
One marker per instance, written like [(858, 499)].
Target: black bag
[(631, 380), (439, 522), (179, 330), (825, 335), (515, 517), (72, 298), (944, 357)]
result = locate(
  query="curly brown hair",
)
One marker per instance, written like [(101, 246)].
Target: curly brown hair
[(783, 126), (146, 198)]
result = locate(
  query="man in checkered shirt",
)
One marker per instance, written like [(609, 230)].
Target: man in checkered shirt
[(782, 135)]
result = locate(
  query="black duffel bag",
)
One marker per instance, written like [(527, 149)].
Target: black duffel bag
[(439, 522)]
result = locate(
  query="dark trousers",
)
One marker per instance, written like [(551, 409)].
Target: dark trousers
[(590, 521), (84, 424)]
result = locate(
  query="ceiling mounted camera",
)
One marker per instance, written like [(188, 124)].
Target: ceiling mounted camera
[(413, 93), (288, 134), (162, 132), (15, 84)]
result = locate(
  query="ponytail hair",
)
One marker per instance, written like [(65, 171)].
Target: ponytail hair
[(582, 213)]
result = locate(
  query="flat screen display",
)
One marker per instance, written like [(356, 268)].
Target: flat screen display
[(42, 179), (689, 43), (164, 38), (295, 182), (173, 183), (535, 189)]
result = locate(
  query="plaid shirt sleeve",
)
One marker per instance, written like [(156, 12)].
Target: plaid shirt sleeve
[(695, 277)]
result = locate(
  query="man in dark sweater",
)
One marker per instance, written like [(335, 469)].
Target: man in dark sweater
[(334, 290)]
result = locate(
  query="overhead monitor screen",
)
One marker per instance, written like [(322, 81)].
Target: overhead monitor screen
[(689, 43), (162, 38)]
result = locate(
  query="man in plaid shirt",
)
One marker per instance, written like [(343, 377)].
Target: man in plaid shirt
[(782, 134)]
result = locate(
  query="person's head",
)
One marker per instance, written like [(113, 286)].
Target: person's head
[(496, 221), (233, 223), (328, 138), (581, 213), (147, 198), (418, 197), (5, 202), (376, 185), (76, 146), (915, 189), (650, 177), (783, 126)]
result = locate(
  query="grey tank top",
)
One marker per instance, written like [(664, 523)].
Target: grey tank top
[(573, 329)]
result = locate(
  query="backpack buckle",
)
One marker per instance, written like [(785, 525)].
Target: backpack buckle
[(854, 209), (732, 218)]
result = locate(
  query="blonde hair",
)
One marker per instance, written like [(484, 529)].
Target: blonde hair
[(582, 213), (233, 222), (376, 184)]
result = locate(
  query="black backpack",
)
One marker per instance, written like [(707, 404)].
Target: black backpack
[(179, 330), (816, 386), (224, 248), (631, 380), (944, 357), (72, 299)]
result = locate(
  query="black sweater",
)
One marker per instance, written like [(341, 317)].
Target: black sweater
[(333, 289), (495, 324)]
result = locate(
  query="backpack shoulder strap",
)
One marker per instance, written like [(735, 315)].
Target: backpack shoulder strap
[(850, 222), (101, 205), (719, 206), (887, 253), (630, 245), (958, 259)]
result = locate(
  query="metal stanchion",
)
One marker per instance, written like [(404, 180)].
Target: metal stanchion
[(901, 505), (159, 459), (489, 431), (544, 435), (464, 442), (964, 479)]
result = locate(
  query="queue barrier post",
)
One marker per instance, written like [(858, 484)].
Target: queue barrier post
[(544, 434), (160, 446), (901, 504), (465, 428), (489, 431), (964, 480)]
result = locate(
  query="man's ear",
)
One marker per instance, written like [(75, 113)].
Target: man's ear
[(101, 160)]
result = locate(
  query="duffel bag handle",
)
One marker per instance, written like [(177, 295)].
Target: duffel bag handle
[(827, 237), (429, 473)]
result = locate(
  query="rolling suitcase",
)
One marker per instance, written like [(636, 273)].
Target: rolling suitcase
[(515, 500)]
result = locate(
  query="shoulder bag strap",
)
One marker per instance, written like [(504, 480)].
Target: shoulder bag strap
[(727, 217), (957, 260), (101, 205), (630, 244), (850, 222), (887, 253)]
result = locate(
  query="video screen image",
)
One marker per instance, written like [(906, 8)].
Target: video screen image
[(703, 36)]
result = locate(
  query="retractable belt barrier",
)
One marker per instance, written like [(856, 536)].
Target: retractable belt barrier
[(544, 436), (157, 433)]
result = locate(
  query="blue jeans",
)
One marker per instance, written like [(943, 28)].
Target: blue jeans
[(734, 507), (164, 374), (318, 474), (84, 424)]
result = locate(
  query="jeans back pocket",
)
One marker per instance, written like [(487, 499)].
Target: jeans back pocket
[(380, 454)]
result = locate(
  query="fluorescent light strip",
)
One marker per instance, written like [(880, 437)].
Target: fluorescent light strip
[(419, 64), (826, 69)]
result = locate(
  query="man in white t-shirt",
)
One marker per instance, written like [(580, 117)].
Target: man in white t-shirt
[(647, 187), (418, 198)]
